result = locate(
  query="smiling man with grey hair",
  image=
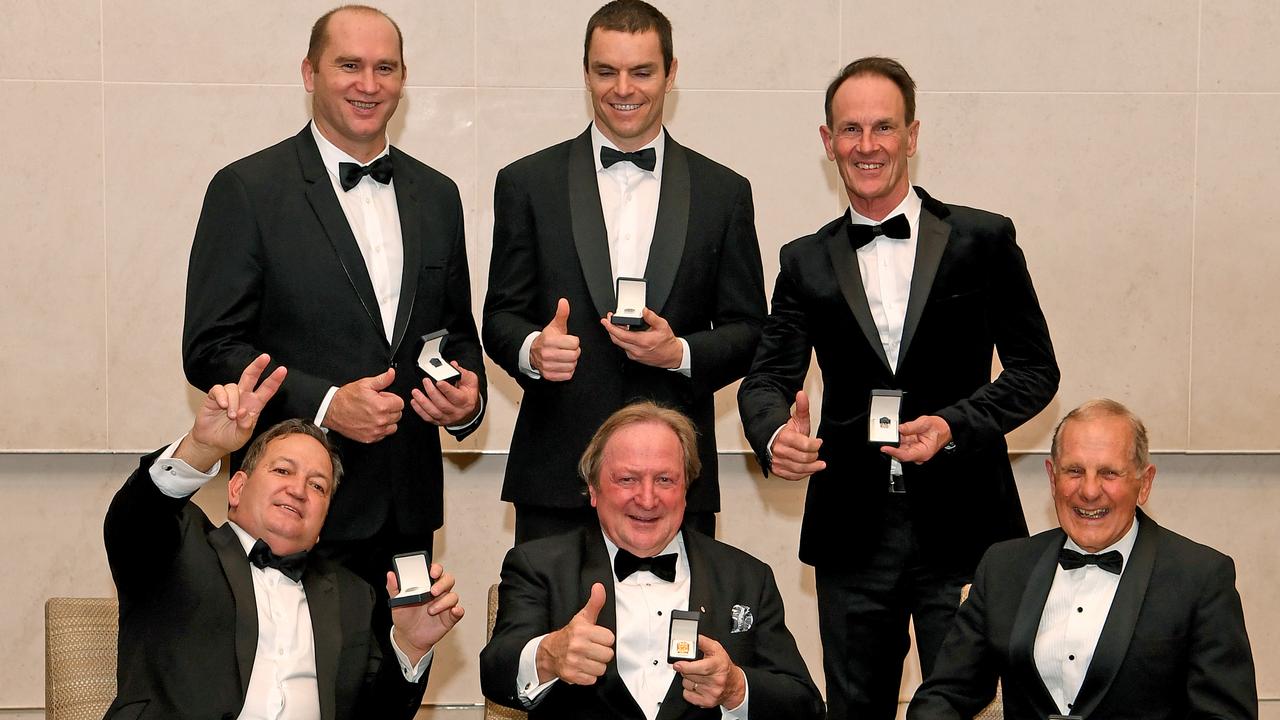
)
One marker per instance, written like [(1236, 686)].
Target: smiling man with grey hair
[(1108, 616)]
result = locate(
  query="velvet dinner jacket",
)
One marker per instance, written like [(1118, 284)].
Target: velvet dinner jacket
[(1173, 645), (275, 268), (546, 582), (970, 294), (703, 276), (189, 622)]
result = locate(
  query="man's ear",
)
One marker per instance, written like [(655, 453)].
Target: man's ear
[(235, 486), (308, 75)]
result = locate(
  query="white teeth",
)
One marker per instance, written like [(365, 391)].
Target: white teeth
[(363, 105), (868, 166), (1091, 514), (630, 106)]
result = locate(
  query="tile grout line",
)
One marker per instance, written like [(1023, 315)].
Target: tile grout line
[(106, 256), (1195, 187)]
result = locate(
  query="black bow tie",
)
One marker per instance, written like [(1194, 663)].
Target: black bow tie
[(291, 566), (1112, 562), (349, 174), (646, 159), (895, 227), (664, 566)]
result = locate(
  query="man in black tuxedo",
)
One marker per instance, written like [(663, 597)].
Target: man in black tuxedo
[(566, 602), (1110, 615), (336, 253), (902, 293), (241, 620), (621, 200)]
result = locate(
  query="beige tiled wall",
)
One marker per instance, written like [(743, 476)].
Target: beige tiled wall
[(1133, 144), (1130, 142)]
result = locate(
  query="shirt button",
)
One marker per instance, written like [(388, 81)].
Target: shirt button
[(1071, 657), (655, 662), (1079, 609), (659, 613)]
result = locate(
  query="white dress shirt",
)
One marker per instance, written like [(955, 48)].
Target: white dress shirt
[(1071, 624), (643, 603), (629, 203), (282, 683)]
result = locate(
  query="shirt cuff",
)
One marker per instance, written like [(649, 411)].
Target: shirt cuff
[(686, 365), (412, 673), (741, 712), (324, 408), (527, 687), (473, 421), (525, 348), (175, 478), (768, 449)]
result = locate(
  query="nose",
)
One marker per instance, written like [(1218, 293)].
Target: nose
[(1090, 487), (645, 496), (367, 83), (297, 489), (623, 85), (866, 142)]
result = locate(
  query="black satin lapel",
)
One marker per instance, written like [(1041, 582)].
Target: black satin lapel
[(1022, 637), (931, 242), (411, 239), (326, 628), (235, 566), (1117, 631), (670, 227), (596, 569), (589, 235), (337, 229), (845, 263)]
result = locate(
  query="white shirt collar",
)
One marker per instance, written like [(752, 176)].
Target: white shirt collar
[(331, 154), (246, 540), (659, 145), (910, 206), (1124, 545)]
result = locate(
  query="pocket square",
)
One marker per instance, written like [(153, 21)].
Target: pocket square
[(742, 619)]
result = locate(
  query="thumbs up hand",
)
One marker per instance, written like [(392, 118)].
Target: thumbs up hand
[(363, 411), (794, 454), (554, 353), (578, 652)]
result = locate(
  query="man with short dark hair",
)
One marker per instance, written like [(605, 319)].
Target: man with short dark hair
[(583, 618), (337, 252), (902, 296), (622, 200), (1109, 615), (242, 620)]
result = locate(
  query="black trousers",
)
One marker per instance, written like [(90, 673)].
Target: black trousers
[(863, 613), (534, 522)]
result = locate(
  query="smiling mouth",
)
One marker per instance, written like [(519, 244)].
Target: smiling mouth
[(868, 166), (363, 105), (289, 508), (643, 520), (1091, 514), (625, 107)]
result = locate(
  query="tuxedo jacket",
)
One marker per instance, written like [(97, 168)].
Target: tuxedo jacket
[(1173, 645), (189, 621), (546, 582), (970, 294), (703, 276), (275, 268)]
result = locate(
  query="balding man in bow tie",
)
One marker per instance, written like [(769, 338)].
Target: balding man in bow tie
[(584, 618), (1110, 615)]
